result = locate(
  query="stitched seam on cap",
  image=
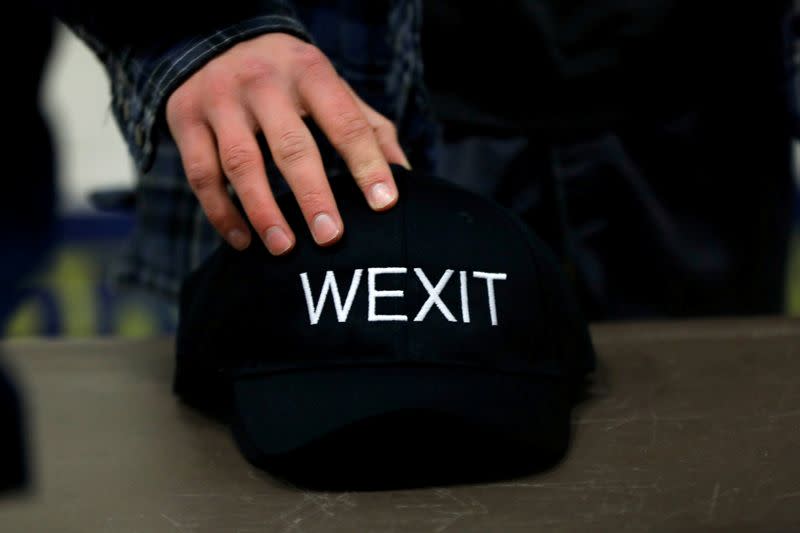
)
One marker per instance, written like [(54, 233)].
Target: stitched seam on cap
[(255, 370), (404, 246)]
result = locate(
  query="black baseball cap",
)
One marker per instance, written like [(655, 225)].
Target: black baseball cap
[(445, 307)]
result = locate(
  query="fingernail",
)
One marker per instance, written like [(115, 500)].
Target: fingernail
[(278, 243), (405, 163), (325, 229), (238, 239), (380, 196)]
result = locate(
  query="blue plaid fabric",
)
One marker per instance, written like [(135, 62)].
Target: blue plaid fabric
[(375, 46)]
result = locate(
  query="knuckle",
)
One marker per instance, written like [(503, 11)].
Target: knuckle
[(218, 88), (292, 147), (238, 159), (387, 128), (308, 54), (368, 172), (312, 200), (200, 175), (181, 107), (257, 71), (310, 60), (351, 127), (216, 215)]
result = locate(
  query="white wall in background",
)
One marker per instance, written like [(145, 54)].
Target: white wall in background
[(89, 147)]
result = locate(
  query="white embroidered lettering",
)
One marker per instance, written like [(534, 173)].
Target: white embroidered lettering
[(330, 285), (433, 295), (374, 294), (490, 277), (434, 292), (462, 278)]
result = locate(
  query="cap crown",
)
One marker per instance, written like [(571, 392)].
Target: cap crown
[(446, 277)]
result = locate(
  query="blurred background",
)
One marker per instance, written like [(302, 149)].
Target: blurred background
[(73, 296)]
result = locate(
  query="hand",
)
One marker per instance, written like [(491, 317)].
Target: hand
[(269, 84)]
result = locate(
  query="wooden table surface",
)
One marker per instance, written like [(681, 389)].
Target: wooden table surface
[(693, 426)]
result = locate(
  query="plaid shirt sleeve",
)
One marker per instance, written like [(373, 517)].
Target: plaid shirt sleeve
[(143, 77)]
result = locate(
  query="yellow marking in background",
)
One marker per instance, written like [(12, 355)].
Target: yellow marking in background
[(72, 282), (72, 277), (26, 321), (135, 321), (794, 276)]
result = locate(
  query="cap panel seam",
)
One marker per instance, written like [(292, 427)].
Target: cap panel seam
[(404, 230), (455, 365)]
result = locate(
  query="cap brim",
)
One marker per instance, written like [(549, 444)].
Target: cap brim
[(279, 413)]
